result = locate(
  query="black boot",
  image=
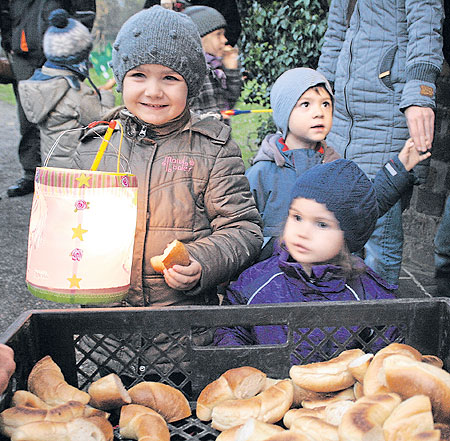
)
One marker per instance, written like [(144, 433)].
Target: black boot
[(22, 187)]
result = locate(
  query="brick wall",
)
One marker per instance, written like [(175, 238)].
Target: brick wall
[(421, 220)]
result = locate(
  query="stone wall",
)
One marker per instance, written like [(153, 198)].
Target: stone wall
[(421, 220)]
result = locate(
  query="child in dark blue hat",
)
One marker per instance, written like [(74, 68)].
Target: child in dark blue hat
[(332, 213)]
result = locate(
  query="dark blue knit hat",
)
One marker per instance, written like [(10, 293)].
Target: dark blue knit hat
[(348, 193), (66, 40)]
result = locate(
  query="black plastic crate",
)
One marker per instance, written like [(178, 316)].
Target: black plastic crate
[(138, 354)]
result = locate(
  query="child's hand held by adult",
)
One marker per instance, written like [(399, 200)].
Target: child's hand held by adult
[(410, 156), (183, 278)]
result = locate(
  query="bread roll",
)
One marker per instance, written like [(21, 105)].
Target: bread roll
[(315, 429), (79, 429), (108, 393), (254, 430), (25, 398), (169, 402), (432, 359), (343, 395), (243, 382), (374, 381), (358, 390), (409, 418), (335, 411), (14, 417), (408, 377), (269, 406), (429, 435), (444, 429), (365, 419), (358, 366), (143, 424), (288, 435), (174, 254), (293, 414), (47, 382), (326, 376)]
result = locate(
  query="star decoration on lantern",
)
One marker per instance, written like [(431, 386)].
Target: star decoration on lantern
[(83, 180), (74, 281), (78, 232)]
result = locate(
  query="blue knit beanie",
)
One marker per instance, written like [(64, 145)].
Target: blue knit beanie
[(66, 40), (288, 89), (347, 192), (160, 36), (206, 19)]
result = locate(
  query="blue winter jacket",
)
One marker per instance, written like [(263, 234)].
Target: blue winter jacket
[(275, 171), (387, 60), (279, 279)]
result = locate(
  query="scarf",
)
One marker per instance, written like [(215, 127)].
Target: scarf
[(215, 63)]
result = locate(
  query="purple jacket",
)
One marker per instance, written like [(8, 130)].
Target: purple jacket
[(281, 280)]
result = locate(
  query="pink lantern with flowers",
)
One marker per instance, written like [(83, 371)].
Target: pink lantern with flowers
[(81, 235)]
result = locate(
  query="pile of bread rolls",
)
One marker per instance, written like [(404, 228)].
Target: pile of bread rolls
[(398, 394), (53, 410)]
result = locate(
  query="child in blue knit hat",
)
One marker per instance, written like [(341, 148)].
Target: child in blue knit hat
[(56, 97), (333, 209), (302, 103)]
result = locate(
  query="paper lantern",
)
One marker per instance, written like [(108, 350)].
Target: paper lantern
[(81, 235)]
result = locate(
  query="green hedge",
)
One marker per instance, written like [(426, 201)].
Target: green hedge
[(276, 36)]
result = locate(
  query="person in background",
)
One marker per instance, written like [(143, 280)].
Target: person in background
[(383, 58), (223, 84), (302, 103), (333, 211), (229, 9), (56, 97), (7, 366), (23, 23)]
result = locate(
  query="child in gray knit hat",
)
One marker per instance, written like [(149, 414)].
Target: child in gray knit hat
[(56, 97), (191, 178), (302, 103), (223, 83)]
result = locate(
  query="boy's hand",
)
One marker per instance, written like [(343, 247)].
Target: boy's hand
[(410, 156), (230, 57), (183, 278)]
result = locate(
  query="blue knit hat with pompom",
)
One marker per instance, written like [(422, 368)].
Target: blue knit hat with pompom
[(66, 40)]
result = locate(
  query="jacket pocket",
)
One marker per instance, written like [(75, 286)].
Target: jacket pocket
[(385, 68)]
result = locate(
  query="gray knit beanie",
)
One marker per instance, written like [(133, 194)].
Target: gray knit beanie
[(160, 36), (288, 89), (207, 19), (66, 40), (347, 192)]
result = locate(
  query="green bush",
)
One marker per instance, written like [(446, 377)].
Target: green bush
[(277, 36)]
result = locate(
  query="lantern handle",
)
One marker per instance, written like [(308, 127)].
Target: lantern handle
[(103, 145)]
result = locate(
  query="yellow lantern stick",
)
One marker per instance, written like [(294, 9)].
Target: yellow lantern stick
[(233, 112), (103, 145)]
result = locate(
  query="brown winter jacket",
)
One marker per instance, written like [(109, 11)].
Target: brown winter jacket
[(191, 188)]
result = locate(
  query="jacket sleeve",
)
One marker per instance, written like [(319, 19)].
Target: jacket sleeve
[(85, 11), (92, 109), (391, 182), (424, 52), (235, 240), (236, 335), (255, 178), (334, 39), (234, 85)]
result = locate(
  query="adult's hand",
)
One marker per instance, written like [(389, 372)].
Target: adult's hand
[(421, 126), (7, 366)]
